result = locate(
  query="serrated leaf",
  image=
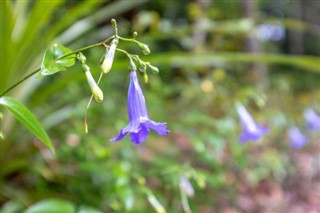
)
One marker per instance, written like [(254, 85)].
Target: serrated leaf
[(51, 63), (25, 116), (52, 206)]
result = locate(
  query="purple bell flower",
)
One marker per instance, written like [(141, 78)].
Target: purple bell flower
[(313, 120), (139, 122), (251, 130), (296, 138)]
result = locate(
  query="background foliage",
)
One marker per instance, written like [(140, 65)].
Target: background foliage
[(211, 54)]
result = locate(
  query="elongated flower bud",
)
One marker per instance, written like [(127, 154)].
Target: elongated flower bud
[(145, 49), (108, 59), (145, 77), (96, 91), (153, 68), (156, 204)]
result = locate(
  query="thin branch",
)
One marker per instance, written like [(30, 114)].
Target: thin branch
[(61, 57)]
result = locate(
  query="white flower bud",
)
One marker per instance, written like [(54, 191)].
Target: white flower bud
[(108, 60), (96, 91)]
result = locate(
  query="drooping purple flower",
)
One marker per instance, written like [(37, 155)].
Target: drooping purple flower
[(251, 130), (297, 139), (313, 120), (139, 122), (186, 186)]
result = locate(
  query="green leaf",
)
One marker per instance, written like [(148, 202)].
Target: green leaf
[(26, 117), (51, 206), (58, 50), (306, 62), (52, 61), (12, 206), (49, 66), (88, 209)]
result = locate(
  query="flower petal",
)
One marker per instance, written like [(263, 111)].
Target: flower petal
[(244, 137), (313, 119), (296, 138), (131, 127), (248, 135), (140, 136), (160, 128), (122, 133), (136, 102)]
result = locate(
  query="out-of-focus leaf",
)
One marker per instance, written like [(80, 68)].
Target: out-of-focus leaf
[(127, 197), (51, 206), (308, 63), (51, 62), (88, 209), (26, 117), (88, 23), (12, 206), (6, 26)]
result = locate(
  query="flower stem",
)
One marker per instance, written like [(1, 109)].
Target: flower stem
[(127, 39), (63, 56), (86, 129), (19, 82)]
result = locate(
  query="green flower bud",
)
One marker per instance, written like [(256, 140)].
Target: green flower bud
[(134, 35), (108, 60), (153, 68), (114, 24), (145, 49), (96, 91), (142, 66)]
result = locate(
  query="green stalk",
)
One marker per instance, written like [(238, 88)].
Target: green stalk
[(61, 57)]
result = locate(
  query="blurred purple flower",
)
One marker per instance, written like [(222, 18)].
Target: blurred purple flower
[(251, 130), (139, 122), (313, 120), (296, 138), (186, 186)]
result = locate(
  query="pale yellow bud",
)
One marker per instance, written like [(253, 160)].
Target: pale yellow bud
[(156, 204), (96, 91), (145, 77), (201, 183)]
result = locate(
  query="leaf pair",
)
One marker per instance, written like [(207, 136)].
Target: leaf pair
[(56, 59)]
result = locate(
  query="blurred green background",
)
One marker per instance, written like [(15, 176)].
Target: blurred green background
[(211, 54)]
